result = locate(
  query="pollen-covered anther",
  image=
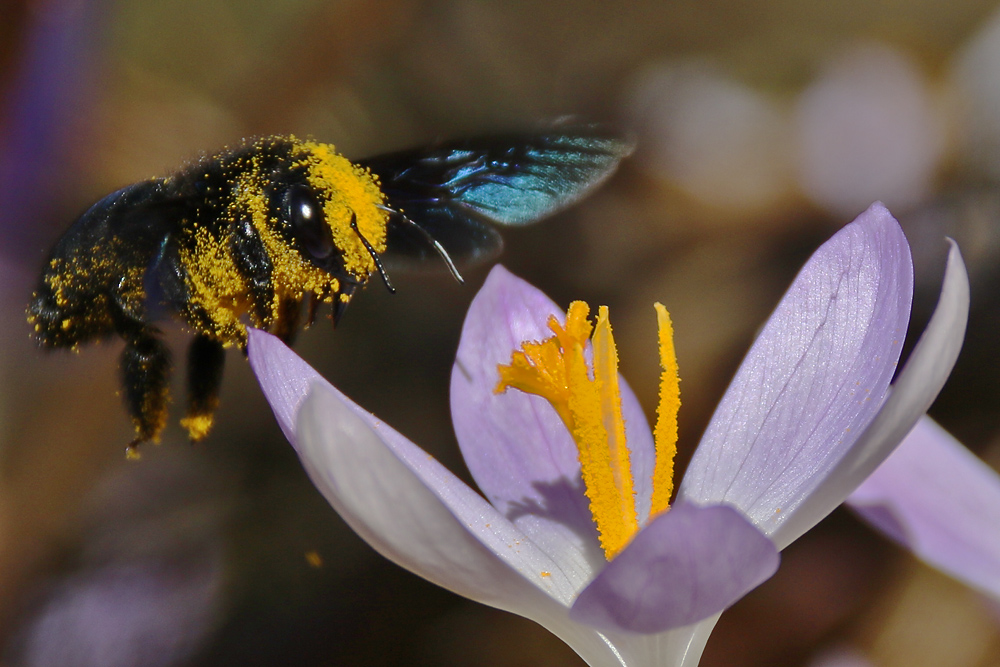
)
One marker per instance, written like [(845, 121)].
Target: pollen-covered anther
[(537, 368), (588, 399), (665, 432)]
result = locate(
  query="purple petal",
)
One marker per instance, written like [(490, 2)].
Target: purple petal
[(413, 511), (516, 447), (283, 376), (686, 565), (940, 501), (915, 388), (409, 507), (642, 449), (815, 377)]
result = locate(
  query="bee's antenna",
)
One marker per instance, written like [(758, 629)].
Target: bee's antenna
[(371, 251), (433, 242)]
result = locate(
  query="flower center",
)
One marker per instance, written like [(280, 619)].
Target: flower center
[(588, 400)]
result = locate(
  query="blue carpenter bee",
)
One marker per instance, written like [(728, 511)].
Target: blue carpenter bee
[(256, 233)]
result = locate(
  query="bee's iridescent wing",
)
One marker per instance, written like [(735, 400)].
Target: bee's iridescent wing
[(455, 192)]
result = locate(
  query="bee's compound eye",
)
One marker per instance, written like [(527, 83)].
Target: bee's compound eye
[(305, 215)]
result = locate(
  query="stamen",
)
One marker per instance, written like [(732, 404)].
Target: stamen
[(606, 376), (538, 368), (590, 407), (614, 514), (665, 433)]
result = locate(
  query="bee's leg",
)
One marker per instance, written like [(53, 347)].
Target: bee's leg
[(340, 302), (287, 325), (145, 367), (311, 313), (206, 361), (253, 262)]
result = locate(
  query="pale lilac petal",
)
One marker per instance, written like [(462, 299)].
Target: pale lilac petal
[(413, 511), (283, 376), (516, 447), (912, 393), (941, 502), (510, 441), (339, 429), (642, 449), (684, 566), (815, 377)]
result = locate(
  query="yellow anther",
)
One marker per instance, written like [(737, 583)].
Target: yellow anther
[(606, 378), (588, 400), (538, 368), (665, 433)]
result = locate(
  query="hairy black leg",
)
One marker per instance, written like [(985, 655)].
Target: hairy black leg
[(286, 327), (340, 302), (145, 367), (311, 311), (206, 361), (254, 263)]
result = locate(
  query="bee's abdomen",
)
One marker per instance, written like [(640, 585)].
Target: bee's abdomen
[(93, 283), (69, 308)]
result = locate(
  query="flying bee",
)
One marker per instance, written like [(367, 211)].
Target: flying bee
[(258, 233)]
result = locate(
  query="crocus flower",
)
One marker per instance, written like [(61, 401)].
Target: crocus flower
[(808, 416)]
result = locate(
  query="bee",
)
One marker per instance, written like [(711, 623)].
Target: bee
[(257, 233)]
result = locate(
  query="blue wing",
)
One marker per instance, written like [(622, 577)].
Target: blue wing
[(456, 192)]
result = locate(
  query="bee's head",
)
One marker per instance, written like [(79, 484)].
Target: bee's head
[(319, 218), (331, 210), (304, 218)]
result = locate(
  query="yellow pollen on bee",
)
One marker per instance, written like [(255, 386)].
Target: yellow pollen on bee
[(349, 192), (197, 426), (588, 400), (215, 284)]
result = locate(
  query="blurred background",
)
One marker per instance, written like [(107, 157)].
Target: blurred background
[(762, 128)]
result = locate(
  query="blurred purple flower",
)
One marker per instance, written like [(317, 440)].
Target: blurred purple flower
[(50, 90), (941, 502), (154, 612), (808, 416)]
